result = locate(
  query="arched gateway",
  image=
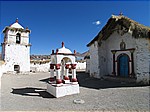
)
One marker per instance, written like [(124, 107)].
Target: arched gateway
[(62, 62)]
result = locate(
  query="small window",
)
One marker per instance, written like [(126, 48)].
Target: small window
[(18, 38), (17, 68)]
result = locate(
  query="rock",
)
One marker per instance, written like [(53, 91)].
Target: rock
[(78, 101)]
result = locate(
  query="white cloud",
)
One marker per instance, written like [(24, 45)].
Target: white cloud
[(97, 22)]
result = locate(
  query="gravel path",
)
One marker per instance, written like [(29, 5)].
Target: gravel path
[(28, 92)]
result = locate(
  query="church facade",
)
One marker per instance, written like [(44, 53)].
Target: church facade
[(121, 49), (16, 49)]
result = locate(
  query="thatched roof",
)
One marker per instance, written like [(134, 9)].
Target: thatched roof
[(116, 23)]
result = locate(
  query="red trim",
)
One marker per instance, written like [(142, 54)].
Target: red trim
[(114, 66), (52, 66), (52, 79), (67, 66), (66, 78), (74, 80), (58, 66), (132, 65), (74, 52), (62, 44), (58, 81), (73, 66), (56, 51), (17, 20), (52, 51)]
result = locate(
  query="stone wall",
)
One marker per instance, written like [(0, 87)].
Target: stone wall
[(143, 60), (45, 67), (81, 66), (94, 60), (103, 59), (87, 65)]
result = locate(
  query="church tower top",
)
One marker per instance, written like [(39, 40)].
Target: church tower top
[(16, 24)]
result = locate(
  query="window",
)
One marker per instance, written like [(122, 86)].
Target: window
[(17, 68), (18, 37)]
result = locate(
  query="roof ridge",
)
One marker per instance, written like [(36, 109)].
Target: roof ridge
[(131, 20)]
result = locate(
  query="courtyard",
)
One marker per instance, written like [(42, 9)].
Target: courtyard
[(28, 93)]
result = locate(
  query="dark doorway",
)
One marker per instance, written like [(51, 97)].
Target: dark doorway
[(17, 68)]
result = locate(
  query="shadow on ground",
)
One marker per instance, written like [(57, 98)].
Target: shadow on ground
[(89, 82), (94, 83), (30, 91)]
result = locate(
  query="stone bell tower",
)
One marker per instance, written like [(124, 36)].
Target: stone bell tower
[(16, 49)]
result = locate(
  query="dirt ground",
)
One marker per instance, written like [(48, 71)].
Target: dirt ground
[(28, 93)]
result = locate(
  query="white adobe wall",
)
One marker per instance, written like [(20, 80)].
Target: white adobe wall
[(2, 68), (143, 60), (57, 58), (94, 60), (81, 66), (45, 67), (102, 59), (113, 43), (1, 71), (87, 65), (16, 54), (12, 37), (105, 66)]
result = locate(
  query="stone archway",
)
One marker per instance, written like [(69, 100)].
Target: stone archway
[(65, 65)]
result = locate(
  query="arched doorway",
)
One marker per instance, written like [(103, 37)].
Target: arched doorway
[(123, 65), (64, 63)]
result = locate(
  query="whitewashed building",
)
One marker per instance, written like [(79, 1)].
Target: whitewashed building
[(121, 49), (16, 49), (87, 58)]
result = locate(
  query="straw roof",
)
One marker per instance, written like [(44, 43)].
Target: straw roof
[(116, 23)]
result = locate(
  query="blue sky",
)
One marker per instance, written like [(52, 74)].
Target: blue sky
[(75, 23)]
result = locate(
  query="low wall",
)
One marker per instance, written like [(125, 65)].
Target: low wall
[(40, 67), (81, 66)]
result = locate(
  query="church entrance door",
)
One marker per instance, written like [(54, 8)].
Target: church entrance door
[(123, 65)]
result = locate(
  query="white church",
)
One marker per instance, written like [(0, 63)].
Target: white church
[(121, 49), (16, 49)]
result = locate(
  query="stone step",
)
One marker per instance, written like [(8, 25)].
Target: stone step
[(120, 79)]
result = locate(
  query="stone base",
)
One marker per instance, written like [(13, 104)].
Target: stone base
[(65, 89), (67, 81)]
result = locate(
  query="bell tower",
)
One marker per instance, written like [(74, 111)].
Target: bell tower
[(16, 48)]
